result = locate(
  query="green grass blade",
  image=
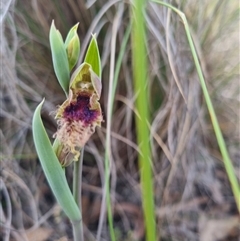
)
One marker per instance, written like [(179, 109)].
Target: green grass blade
[(119, 62), (52, 168), (112, 93), (139, 54), (221, 143), (110, 109)]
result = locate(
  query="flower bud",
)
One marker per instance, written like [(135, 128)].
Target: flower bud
[(72, 45)]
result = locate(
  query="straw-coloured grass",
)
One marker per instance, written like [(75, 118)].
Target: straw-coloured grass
[(192, 191)]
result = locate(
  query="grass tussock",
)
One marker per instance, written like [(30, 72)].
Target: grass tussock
[(192, 193)]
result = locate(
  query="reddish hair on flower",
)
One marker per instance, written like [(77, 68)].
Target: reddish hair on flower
[(79, 114)]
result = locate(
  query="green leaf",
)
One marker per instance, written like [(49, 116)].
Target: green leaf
[(92, 56), (59, 57), (52, 168), (140, 76)]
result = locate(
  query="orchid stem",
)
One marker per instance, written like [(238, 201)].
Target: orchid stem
[(77, 230), (77, 188)]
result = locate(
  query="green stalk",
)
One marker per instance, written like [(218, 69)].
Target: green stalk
[(77, 231), (119, 62), (112, 91), (108, 199), (221, 143), (106, 159), (77, 187), (116, 74), (139, 53)]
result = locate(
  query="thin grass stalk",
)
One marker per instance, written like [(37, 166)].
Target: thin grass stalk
[(221, 143), (139, 53), (108, 196), (109, 122), (8, 204), (110, 106), (112, 95), (93, 25), (119, 62)]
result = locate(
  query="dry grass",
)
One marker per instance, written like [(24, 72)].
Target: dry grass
[(192, 193)]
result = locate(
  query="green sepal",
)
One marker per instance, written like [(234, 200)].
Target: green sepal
[(52, 168), (92, 56), (72, 45), (59, 57), (72, 32), (73, 51)]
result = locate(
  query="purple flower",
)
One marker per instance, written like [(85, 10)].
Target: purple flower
[(79, 115)]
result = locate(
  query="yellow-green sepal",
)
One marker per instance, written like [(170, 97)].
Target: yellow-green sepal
[(52, 168), (59, 58), (93, 57), (72, 46), (72, 32), (85, 78)]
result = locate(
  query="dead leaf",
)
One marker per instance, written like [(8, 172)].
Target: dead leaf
[(62, 239), (216, 229), (39, 234)]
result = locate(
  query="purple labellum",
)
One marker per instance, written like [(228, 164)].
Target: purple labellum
[(79, 114), (80, 110)]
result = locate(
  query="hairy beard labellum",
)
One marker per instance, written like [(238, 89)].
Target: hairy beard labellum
[(79, 115)]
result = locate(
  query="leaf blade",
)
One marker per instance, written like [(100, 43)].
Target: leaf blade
[(52, 168)]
